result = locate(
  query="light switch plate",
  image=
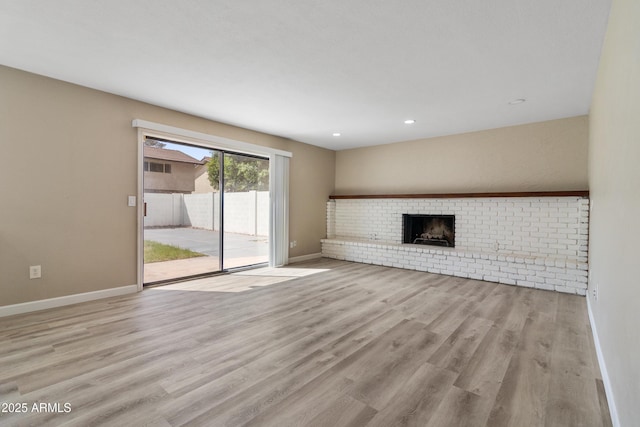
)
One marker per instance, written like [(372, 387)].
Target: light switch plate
[(131, 201), (35, 272)]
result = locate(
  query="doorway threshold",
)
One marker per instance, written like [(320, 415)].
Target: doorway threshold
[(204, 275)]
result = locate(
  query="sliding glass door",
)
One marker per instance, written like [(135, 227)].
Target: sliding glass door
[(204, 210), (246, 210)]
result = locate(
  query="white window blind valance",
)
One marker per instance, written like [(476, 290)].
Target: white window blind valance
[(213, 141)]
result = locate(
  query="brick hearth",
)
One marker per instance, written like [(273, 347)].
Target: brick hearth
[(538, 242)]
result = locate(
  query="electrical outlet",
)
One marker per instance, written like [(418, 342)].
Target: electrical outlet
[(594, 292), (35, 272)]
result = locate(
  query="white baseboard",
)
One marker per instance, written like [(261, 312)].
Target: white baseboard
[(305, 257), (27, 307), (603, 369)]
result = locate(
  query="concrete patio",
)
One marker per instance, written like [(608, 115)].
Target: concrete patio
[(239, 250)]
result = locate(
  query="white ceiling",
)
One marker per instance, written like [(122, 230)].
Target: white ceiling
[(305, 69)]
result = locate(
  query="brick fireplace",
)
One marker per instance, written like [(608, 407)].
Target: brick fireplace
[(533, 241), (433, 230)]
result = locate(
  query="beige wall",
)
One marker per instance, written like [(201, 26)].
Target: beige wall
[(614, 182), (67, 211), (180, 180), (202, 184), (534, 157)]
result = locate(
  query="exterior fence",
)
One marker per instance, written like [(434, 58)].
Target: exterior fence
[(244, 213)]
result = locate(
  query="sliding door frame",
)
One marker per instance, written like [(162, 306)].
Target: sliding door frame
[(278, 184)]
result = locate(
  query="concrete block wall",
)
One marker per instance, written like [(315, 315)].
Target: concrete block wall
[(532, 242), (262, 209), (244, 212), (163, 209), (240, 212), (197, 210)]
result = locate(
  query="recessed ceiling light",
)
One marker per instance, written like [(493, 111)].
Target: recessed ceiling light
[(336, 134), (517, 101), (409, 122)]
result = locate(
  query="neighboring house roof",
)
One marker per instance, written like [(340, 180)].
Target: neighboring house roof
[(170, 155)]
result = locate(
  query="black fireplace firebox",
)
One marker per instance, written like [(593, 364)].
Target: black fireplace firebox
[(436, 230)]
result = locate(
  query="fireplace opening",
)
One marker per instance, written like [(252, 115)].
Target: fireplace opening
[(436, 230)]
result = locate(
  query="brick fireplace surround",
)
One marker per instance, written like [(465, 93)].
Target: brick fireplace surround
[(536, 240)]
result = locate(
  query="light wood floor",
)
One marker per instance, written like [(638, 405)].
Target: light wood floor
[(324, 343)]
